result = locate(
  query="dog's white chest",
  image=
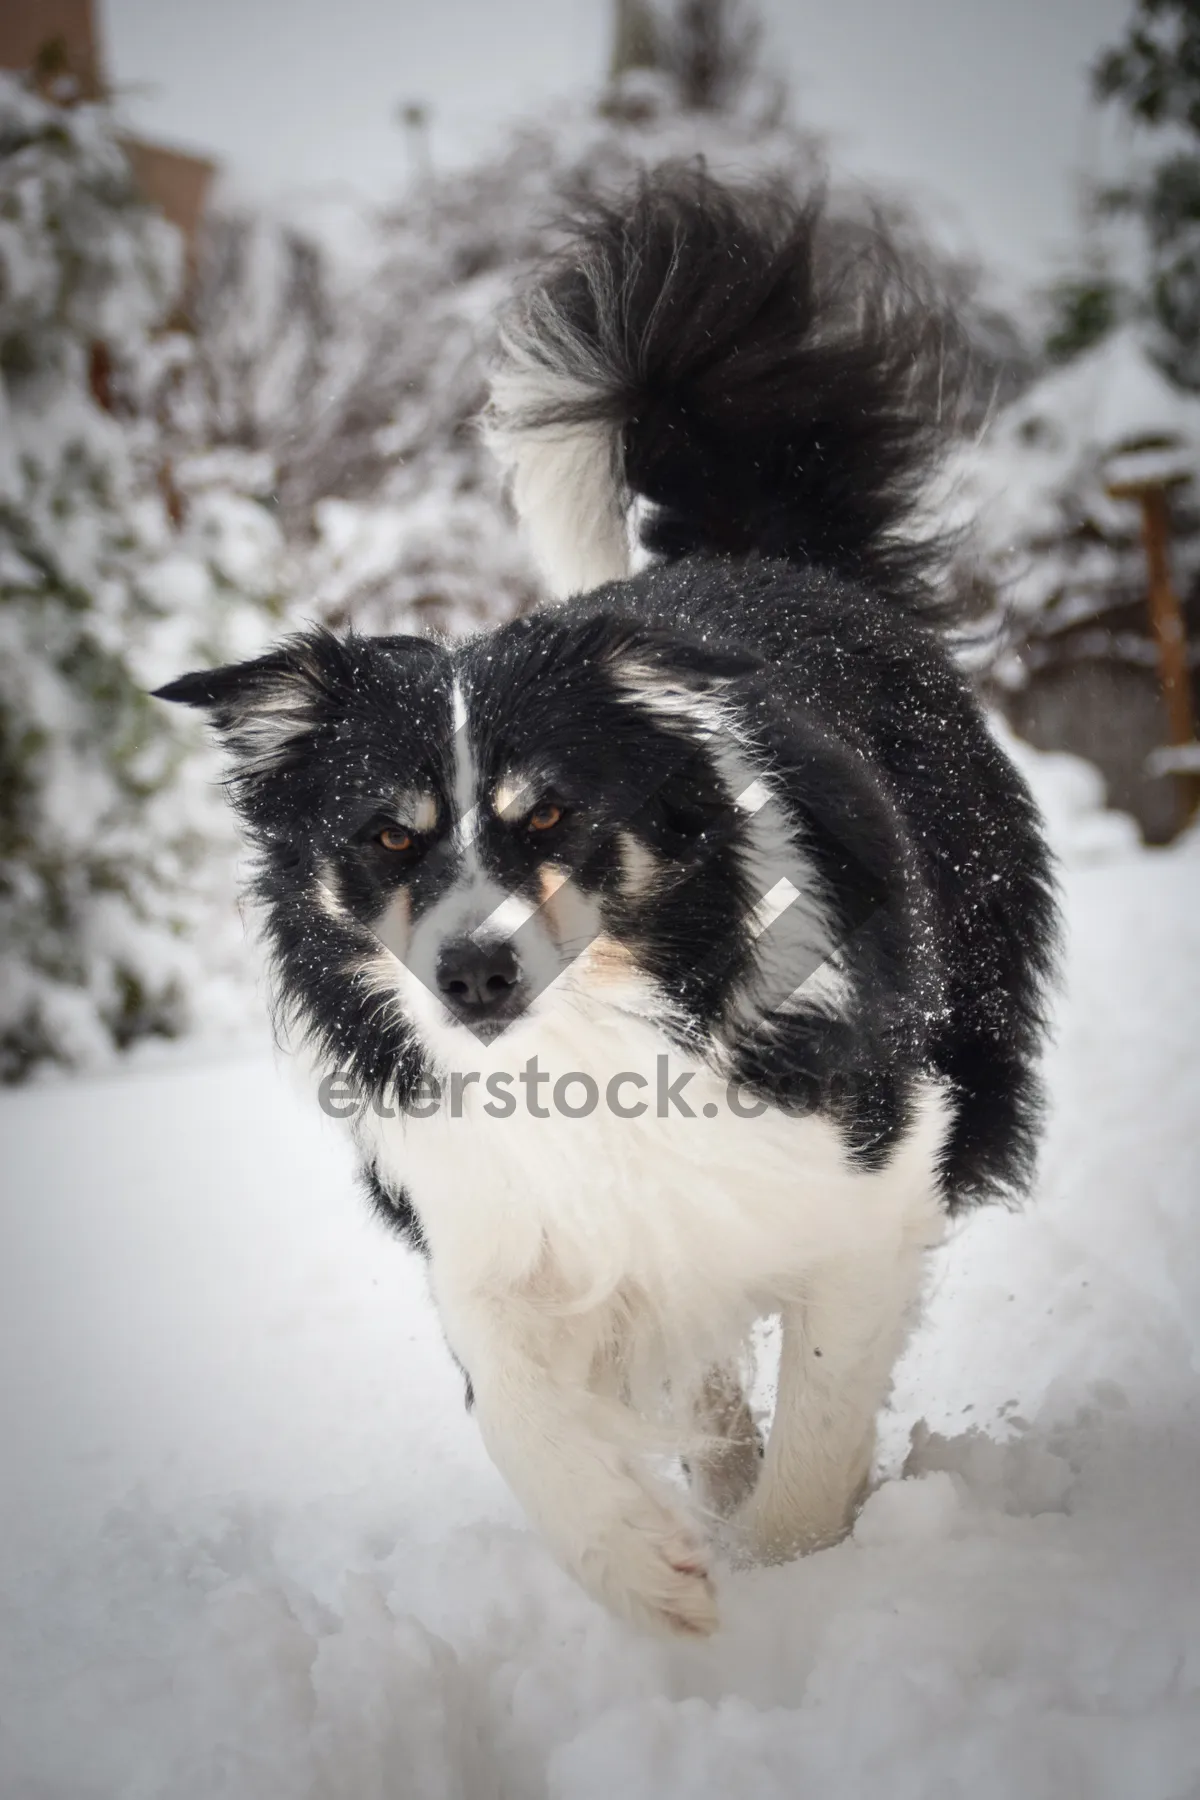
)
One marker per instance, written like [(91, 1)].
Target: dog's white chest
[(633, 1168)]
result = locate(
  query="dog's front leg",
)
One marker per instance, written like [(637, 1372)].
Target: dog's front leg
[(560, 1446), (838, 1349)]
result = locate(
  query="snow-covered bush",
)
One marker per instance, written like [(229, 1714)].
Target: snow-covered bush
[(411, 529), (366, 395), (116, 568), (1056, 550), (1057, 565)]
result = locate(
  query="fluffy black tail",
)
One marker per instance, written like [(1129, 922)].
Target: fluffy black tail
[(768, 382)]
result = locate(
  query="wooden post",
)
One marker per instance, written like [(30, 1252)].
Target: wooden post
[(1166, 618)]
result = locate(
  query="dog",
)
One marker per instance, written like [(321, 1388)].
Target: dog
[(680, 949)]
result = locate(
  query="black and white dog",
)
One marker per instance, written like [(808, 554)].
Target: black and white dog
[(684, 942)]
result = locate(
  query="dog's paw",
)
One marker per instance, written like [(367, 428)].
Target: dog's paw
[(651, 1566), (765, 1534)]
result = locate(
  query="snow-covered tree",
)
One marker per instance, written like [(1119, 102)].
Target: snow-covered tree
[(117, 567), (1153, 75), (267, 317), (1057, 564)]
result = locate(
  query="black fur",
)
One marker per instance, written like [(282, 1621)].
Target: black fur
[(366, 711), (780, 407), (393, 1209), (773, 408), (778, 386), (924, 835)]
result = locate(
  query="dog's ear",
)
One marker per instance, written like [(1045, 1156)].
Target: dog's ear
[(674, 676), (229, 691), (633, 651), (262, 708), (702, 666)]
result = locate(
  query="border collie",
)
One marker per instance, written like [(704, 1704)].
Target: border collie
[(682, 945)]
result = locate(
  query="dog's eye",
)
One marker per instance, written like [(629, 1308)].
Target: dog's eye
[(542, 818), (392, 838)]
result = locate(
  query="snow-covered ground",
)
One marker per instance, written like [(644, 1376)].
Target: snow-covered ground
[(251, 1549)]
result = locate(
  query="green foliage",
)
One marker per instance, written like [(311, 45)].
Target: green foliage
[(1084, 309), (1155, 75), (1155, 72)]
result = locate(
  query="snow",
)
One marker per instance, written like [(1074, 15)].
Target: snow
[(1071, 795), (1110, 402), (1031, 498), (252, 1547), (1175, 759)]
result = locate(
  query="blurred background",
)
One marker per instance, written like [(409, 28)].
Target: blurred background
[(251, 1545), (250, 259)]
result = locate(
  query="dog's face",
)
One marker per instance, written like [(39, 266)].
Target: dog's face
[(475, 835)]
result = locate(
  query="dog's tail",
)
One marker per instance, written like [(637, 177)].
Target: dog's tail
[(766, 384)]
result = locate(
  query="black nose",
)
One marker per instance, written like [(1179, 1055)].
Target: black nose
[(477, 980)]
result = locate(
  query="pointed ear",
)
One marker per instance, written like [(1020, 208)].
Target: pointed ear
[(636, 652), (228, 690), (704, 665), (678, 680), (261, 708), (674, 676)]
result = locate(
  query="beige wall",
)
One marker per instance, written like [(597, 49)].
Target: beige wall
[(176, 184), (58, 40)]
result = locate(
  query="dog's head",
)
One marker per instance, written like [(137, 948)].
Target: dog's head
[(455, 839)]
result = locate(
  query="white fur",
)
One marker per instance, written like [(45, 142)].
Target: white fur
[(798, 965), (839, 1346), (773, 905), (509, 916), (564, 492), (585, 1268), (567, 480), (325, 891), (513, 795), (640, 866), (268, 726), (591, 1272), (419, 811)]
